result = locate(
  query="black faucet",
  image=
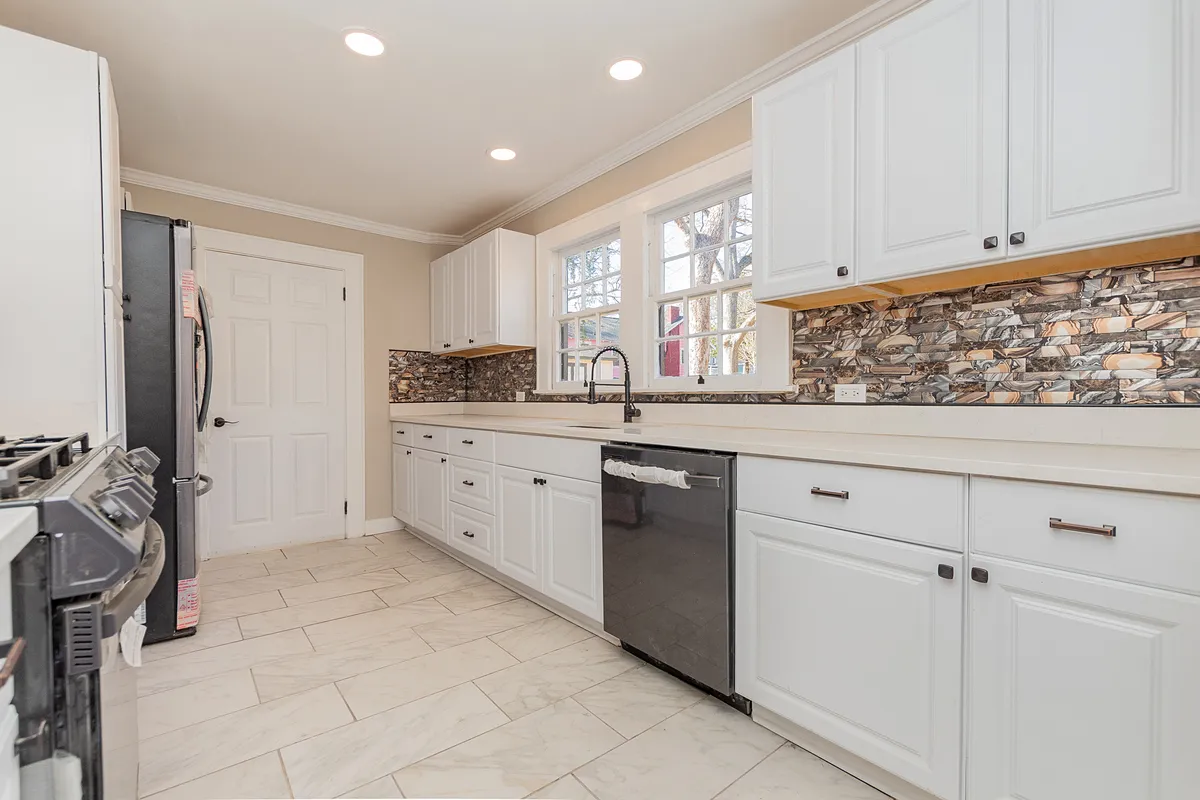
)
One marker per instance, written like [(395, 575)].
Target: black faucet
[(630, 410)]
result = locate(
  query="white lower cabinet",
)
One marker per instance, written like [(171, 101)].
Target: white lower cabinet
[(518, 518), (402, 483), (856, 638), (470, 531), (1081, 687), (572, 552), (429, 492)]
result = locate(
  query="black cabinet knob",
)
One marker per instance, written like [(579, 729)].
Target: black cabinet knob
[(443, 461), (991, 243), (843, 272), (979, 574), (468, 534), (1017, 238), (470, 341), (468, 483), (946, 571)]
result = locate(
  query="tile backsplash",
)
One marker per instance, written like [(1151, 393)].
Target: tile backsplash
[(1121, 336)]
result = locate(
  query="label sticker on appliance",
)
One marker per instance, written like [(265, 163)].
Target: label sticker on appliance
[(187, 606), (187, 289)]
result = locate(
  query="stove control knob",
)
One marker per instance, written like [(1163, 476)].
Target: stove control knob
[(124, 505), (144, 460)]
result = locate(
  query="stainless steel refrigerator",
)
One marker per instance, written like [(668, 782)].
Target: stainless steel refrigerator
[(167, 388)]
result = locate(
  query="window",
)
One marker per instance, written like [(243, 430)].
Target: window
[(705, 314), (588, 305)]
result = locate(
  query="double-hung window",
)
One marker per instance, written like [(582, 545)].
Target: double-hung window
[(588, 318), (705, 317)]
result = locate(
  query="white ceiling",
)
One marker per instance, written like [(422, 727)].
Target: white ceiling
[(262, 97)]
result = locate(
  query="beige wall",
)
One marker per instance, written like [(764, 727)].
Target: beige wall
[(396, 290), (710, 138)]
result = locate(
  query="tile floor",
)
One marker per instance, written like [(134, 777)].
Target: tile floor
[(379, 667)]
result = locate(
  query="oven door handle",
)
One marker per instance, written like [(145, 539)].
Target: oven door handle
[(121, 607)]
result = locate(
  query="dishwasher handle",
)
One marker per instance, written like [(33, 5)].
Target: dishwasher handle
[(658, 475)]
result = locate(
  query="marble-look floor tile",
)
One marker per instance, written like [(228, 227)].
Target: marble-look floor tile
[(340, 632), (264, 583), (476, 597), (639, 699), (545, 680), (308, 614), (331, 572), (430, 587), (299, 674), (396, 538), (342, 759), (195, 751), (182, 670), (321, 558), (566, 788), (430, 569), (474, 625), (241, 559), (210, 634), (514, 759), (694, 754), (381, 788), (300, 550), (218, 610), (260, 777), (178, 708), (791, 772), (422, 550), (340, 587), (541, 637), (240, 572), (382, 689)]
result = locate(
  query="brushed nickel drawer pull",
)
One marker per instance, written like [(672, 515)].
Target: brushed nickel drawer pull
[(1100, 530), (827, 493)]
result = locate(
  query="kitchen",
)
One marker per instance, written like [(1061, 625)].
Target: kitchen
[(827, 433)]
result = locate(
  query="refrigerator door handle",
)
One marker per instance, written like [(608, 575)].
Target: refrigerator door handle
[(206, 329), (207, 484)]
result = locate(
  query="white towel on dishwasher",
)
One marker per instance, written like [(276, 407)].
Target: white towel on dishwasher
[(667, 477)]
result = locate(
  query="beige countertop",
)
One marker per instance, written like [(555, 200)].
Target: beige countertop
[(1156, 469)]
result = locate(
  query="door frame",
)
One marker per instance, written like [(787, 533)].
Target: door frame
[(206, 240)]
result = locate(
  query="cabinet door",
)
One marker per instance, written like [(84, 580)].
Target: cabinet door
[(857, 639), (460, 298), (571, 545), (439, 301), (484, 300), (518, 526), (429, 492), (804, 180), (1105, 115), (402, 483), (932, 119), (1081, 687)]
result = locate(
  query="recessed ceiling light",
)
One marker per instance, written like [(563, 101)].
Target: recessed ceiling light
[(364, 43), (626, 69), (503, 154)]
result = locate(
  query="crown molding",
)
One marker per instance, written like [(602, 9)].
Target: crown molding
[(152, 180), (845, 32)]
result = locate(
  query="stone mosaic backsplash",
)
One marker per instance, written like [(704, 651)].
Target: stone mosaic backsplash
[(1122, 336)]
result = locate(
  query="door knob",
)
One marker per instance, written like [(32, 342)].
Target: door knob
[(221, 422)]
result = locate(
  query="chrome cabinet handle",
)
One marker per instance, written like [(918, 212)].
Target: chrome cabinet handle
[(1100, 530), (817, 490), (468, 483)]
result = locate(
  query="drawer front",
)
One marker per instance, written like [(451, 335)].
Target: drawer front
[(920, 507), (1155, 538), (402, 433), (479, 445), (428, 437), (472, 483), (570, 458), (471, 532)]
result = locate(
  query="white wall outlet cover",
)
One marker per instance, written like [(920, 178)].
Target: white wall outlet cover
[(850, 393), (520, 397)]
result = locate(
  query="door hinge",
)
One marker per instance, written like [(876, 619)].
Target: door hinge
[(345, 506), (343, 294)]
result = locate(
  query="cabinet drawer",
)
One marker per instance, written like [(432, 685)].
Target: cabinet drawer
[(471, 531), (1155, 538), (570, 458), (479, 445), (472, 483), (402, 433), (921, 507), (428, 437)]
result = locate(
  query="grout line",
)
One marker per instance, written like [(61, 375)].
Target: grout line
[(756, 763), (287, 779)]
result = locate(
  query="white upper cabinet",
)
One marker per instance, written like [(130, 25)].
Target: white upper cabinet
[(439, 302), (1081, 687), (804, 180), (483, 296), (461, 275), (1105, 100), (932, 130)]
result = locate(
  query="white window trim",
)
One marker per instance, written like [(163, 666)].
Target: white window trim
[(574, 387), (633, 215)]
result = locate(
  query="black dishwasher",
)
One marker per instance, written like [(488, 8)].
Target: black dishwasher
[(668, 561)]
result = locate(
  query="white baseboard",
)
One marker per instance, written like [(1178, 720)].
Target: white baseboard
[(382, 525)]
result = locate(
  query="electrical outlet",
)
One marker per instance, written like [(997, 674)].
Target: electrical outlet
[(520, 397), (850, 393)]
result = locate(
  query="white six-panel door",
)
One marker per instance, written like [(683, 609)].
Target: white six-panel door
[(279, 467), (571, 545), (1081, 688), (932, 122), (1105, 115)]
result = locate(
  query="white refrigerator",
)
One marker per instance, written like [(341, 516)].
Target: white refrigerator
[(61, 357)]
